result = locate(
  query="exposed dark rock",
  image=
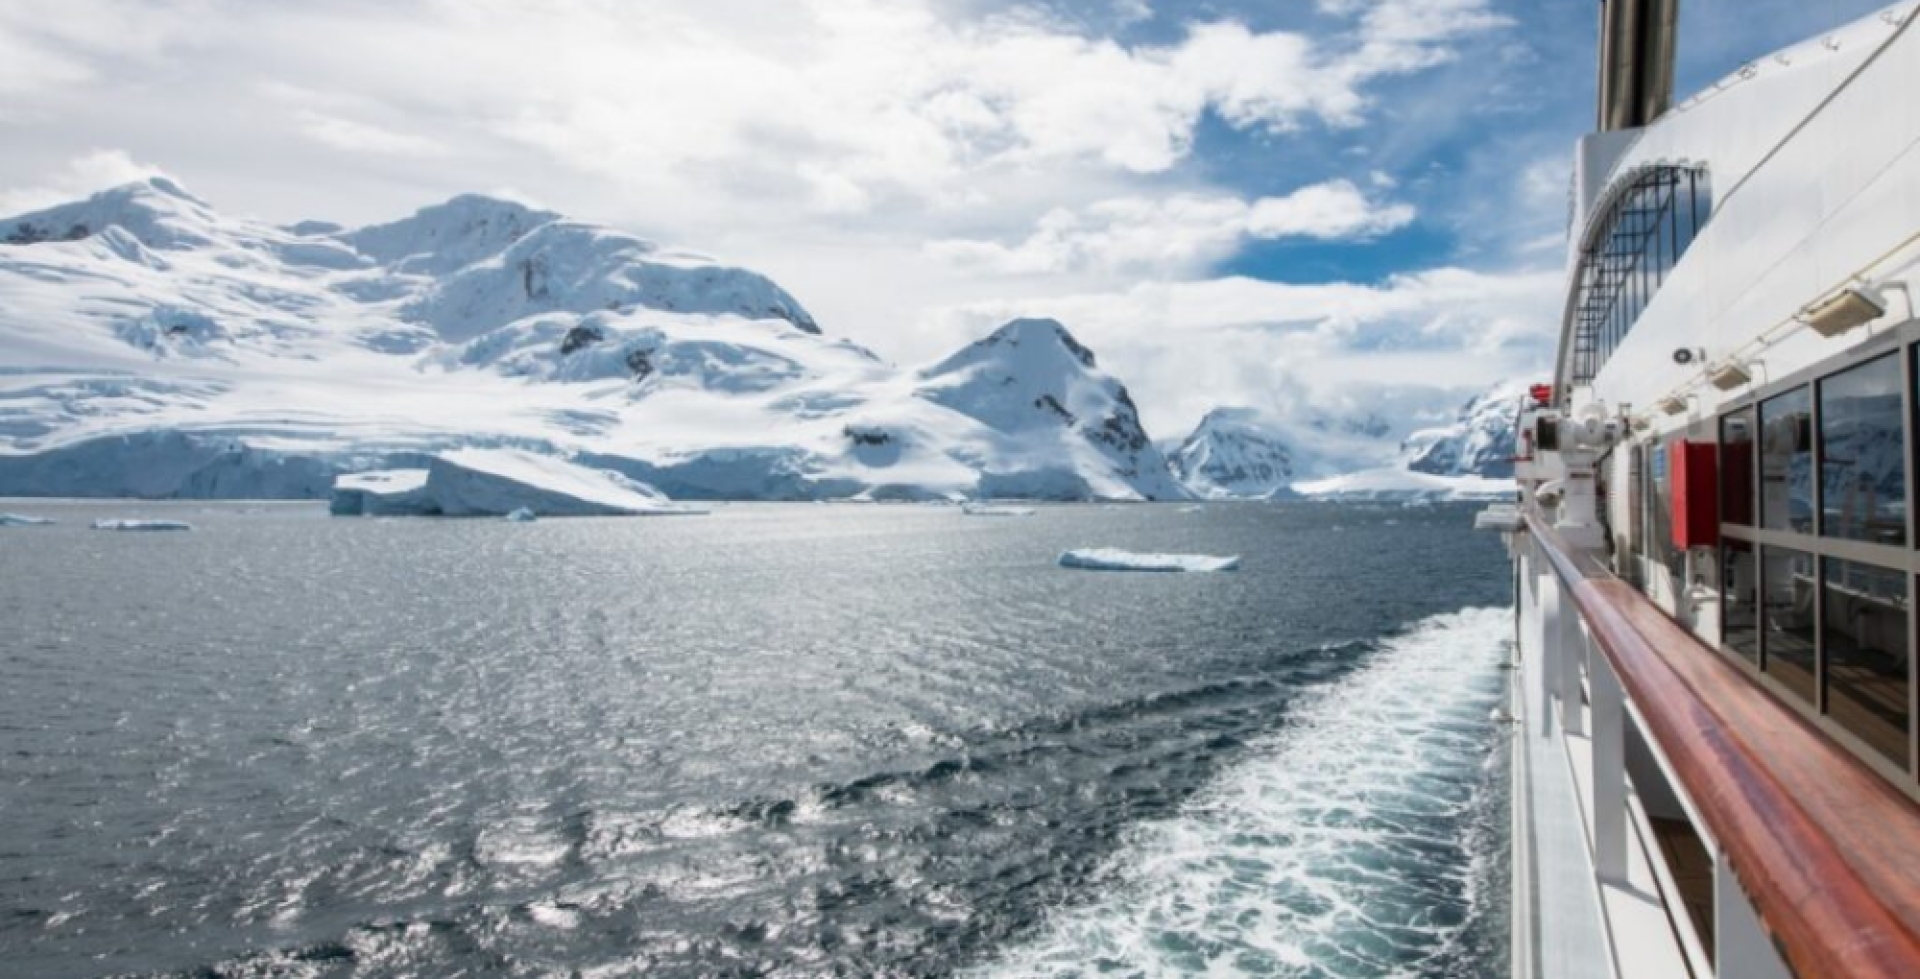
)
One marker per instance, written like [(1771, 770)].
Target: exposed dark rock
[(1046, 402), (867, 436), (640, 362), (580, 337)]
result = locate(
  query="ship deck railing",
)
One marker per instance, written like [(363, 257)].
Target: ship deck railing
[(1815, 854)]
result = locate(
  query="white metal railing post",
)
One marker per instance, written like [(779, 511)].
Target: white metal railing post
[(1609, 772), (1552, 615), (1573, 652)]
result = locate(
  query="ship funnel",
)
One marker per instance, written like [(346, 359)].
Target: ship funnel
[(1637, 45)]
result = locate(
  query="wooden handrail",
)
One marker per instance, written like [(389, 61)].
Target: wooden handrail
[(1827, 852)]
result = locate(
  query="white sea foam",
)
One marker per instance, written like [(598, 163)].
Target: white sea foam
[(1348, 845)]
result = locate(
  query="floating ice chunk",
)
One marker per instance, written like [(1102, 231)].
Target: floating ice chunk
[(1113, 559), (141, 525), (988, 510), (21, 520), (387, 491), (522, 515), (497, 482)]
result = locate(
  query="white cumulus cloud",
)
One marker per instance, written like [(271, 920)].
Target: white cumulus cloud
[(1176, 233)]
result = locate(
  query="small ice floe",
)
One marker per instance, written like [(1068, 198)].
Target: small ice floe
[(1196, 508), (989, 510), (1112, 559), (141, 525), (22, 520), (522, 515)]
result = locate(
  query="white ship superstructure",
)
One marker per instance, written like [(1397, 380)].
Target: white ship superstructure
[(1716, 756)]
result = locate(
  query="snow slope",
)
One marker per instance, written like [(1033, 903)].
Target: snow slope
[(151, 346)]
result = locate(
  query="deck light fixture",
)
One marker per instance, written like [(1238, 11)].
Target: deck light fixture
[(1671, 404), (1729, 375), (1853, 307)]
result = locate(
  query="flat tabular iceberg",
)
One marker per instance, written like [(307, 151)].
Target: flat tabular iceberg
[(1113, 559), (21, 520), (141, 525), (498, 482)]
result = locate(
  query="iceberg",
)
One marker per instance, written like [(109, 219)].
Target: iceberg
[(21, 520), (1113, 559), (498, 482), (522, 515), (141, 525), (383, 492)]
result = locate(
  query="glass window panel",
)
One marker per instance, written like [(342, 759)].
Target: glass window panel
[(1739, 587), (1863, 454), (1736, 468), (1864, 634), (1787, 618), (1786, 462)]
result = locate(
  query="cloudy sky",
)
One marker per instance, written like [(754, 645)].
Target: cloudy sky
[(1268, 202)]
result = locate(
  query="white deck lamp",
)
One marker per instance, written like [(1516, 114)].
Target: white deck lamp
[(1852, 308), (1671, 404), (1729, 375)]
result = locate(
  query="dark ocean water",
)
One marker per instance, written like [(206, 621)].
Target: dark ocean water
[(778, 740)]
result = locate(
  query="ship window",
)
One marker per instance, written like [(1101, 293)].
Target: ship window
[(1636, 243), (1736, 468), (1863, 467), (1738, 580), (1864, 645), (1787, 618), (1786, 462)]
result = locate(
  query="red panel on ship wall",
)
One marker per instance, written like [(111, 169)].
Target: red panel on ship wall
[(1696, 494)]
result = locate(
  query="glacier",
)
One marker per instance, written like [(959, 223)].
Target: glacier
[(495, 483), (1114, 559), (154, 347)]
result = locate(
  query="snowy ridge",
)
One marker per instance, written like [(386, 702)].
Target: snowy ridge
[(153, 347)]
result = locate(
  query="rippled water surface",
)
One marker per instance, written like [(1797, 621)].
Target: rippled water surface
[(778, 740)]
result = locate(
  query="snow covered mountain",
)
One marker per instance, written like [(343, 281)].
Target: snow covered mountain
[(1246, 453), (151, 346), (1479, 443), (1243, 453), (1471, 458), (1235, 453)]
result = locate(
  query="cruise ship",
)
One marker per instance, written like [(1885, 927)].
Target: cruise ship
[(1713, 699)]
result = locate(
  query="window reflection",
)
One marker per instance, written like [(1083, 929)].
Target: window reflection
[(1739, 584), (1864, 634), (1736, 468), (1786, 462), (1863, 468), (1787, 618)]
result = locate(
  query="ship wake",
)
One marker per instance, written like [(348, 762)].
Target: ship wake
[(1367, 838)]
